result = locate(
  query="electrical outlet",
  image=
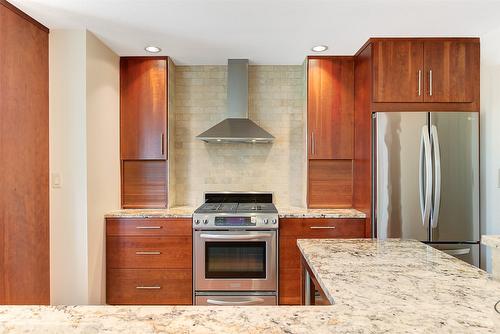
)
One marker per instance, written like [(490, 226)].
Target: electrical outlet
[(56, 180)]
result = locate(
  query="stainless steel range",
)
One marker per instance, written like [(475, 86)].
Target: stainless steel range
[(235, 242)]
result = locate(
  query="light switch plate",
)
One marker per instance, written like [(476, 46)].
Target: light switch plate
[(56, 180)]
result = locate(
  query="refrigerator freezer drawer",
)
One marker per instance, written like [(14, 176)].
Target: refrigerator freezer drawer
[(465, 252)]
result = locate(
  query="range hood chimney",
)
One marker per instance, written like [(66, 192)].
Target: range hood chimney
[(237, 127)]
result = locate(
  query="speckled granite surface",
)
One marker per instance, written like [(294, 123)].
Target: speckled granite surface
[(295, 212), (491, 241), (377, 287), (406, 283), (284, 212), (175, 212)]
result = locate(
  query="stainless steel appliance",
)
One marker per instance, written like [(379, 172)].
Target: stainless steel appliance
[(426, 179), (237, 127), (235, 241)]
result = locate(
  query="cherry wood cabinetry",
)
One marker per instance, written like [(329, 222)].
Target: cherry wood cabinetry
[(431, 71), (149, 261), (291, 229), (397, 71), (330, 128), (330, 183), (452, 71), (143, 131), (24, 168), (144, 183), (143, 103), (330, 107)]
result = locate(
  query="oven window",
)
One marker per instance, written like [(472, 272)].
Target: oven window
[(235, 259)]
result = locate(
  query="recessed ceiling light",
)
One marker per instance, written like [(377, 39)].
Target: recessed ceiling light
[(152, 49), (319, 48)]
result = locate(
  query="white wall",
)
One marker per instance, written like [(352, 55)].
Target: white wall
[(84, 151), (68, 158), (490, 137), (103, 156)]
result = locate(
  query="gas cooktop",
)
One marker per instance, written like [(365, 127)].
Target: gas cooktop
[(236, 210)]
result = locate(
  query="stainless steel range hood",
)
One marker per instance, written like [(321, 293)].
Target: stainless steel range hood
[(237, 127)]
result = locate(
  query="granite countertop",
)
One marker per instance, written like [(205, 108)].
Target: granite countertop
[(284, 212), (492, 241), (376, 286), (175, 212), (298, 212), (404, 283)]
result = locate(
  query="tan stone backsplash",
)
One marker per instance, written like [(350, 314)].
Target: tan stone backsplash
[(276, 102)]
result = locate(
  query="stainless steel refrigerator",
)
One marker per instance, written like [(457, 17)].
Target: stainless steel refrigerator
[(426, 179)]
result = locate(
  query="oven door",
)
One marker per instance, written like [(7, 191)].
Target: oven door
[(235, 260)]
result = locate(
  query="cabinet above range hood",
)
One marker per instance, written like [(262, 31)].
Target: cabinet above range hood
[(237, 127)]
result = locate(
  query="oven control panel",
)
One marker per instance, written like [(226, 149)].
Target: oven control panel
[(201, 221)]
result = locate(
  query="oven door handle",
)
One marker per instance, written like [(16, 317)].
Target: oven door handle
[(247, 301), (235, 236)]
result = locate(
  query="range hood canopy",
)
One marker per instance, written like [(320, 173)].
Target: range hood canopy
[(237, 127)]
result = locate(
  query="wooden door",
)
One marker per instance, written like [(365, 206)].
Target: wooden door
[(330, 107), (398, 71), (143, 103), (24, 169), (451, 71)]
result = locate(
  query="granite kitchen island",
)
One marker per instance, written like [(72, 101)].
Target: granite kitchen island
[(374, 287)]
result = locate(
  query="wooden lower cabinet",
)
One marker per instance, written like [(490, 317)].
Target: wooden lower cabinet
[(291, 229), (149, 286), (149, 252), (149, 261), (290, 285)]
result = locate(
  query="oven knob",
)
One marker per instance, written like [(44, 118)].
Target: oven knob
[(205, 221), (197, 221), (266, 221), (274, 221)]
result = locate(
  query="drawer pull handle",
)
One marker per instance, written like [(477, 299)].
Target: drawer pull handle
[(148, 253), (153, 287), (322, 227), (148, 227)]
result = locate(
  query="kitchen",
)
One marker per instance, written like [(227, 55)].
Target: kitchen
[(219, 184)]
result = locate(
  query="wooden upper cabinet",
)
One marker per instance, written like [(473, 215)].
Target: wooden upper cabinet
[(429, 70), (451, 70), (330, 107), (143, 104), (398, 71)]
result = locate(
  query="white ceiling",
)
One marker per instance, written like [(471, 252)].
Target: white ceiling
[(266, 32)]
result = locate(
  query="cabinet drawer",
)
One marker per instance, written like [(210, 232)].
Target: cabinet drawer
[(148, 226), (149, 252), (149, 286), (323, 228)]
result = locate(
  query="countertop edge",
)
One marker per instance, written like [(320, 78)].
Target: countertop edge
[(492, 241)]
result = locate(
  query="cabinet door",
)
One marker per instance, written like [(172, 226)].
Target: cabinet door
[(143, 117), (397, 71), (330, 107), (451, 71), (291, 229)]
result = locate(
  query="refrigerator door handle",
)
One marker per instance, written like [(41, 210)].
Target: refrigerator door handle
[(425, 179), (437, 177)]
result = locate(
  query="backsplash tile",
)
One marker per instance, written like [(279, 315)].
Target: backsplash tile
[(276, 102)]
